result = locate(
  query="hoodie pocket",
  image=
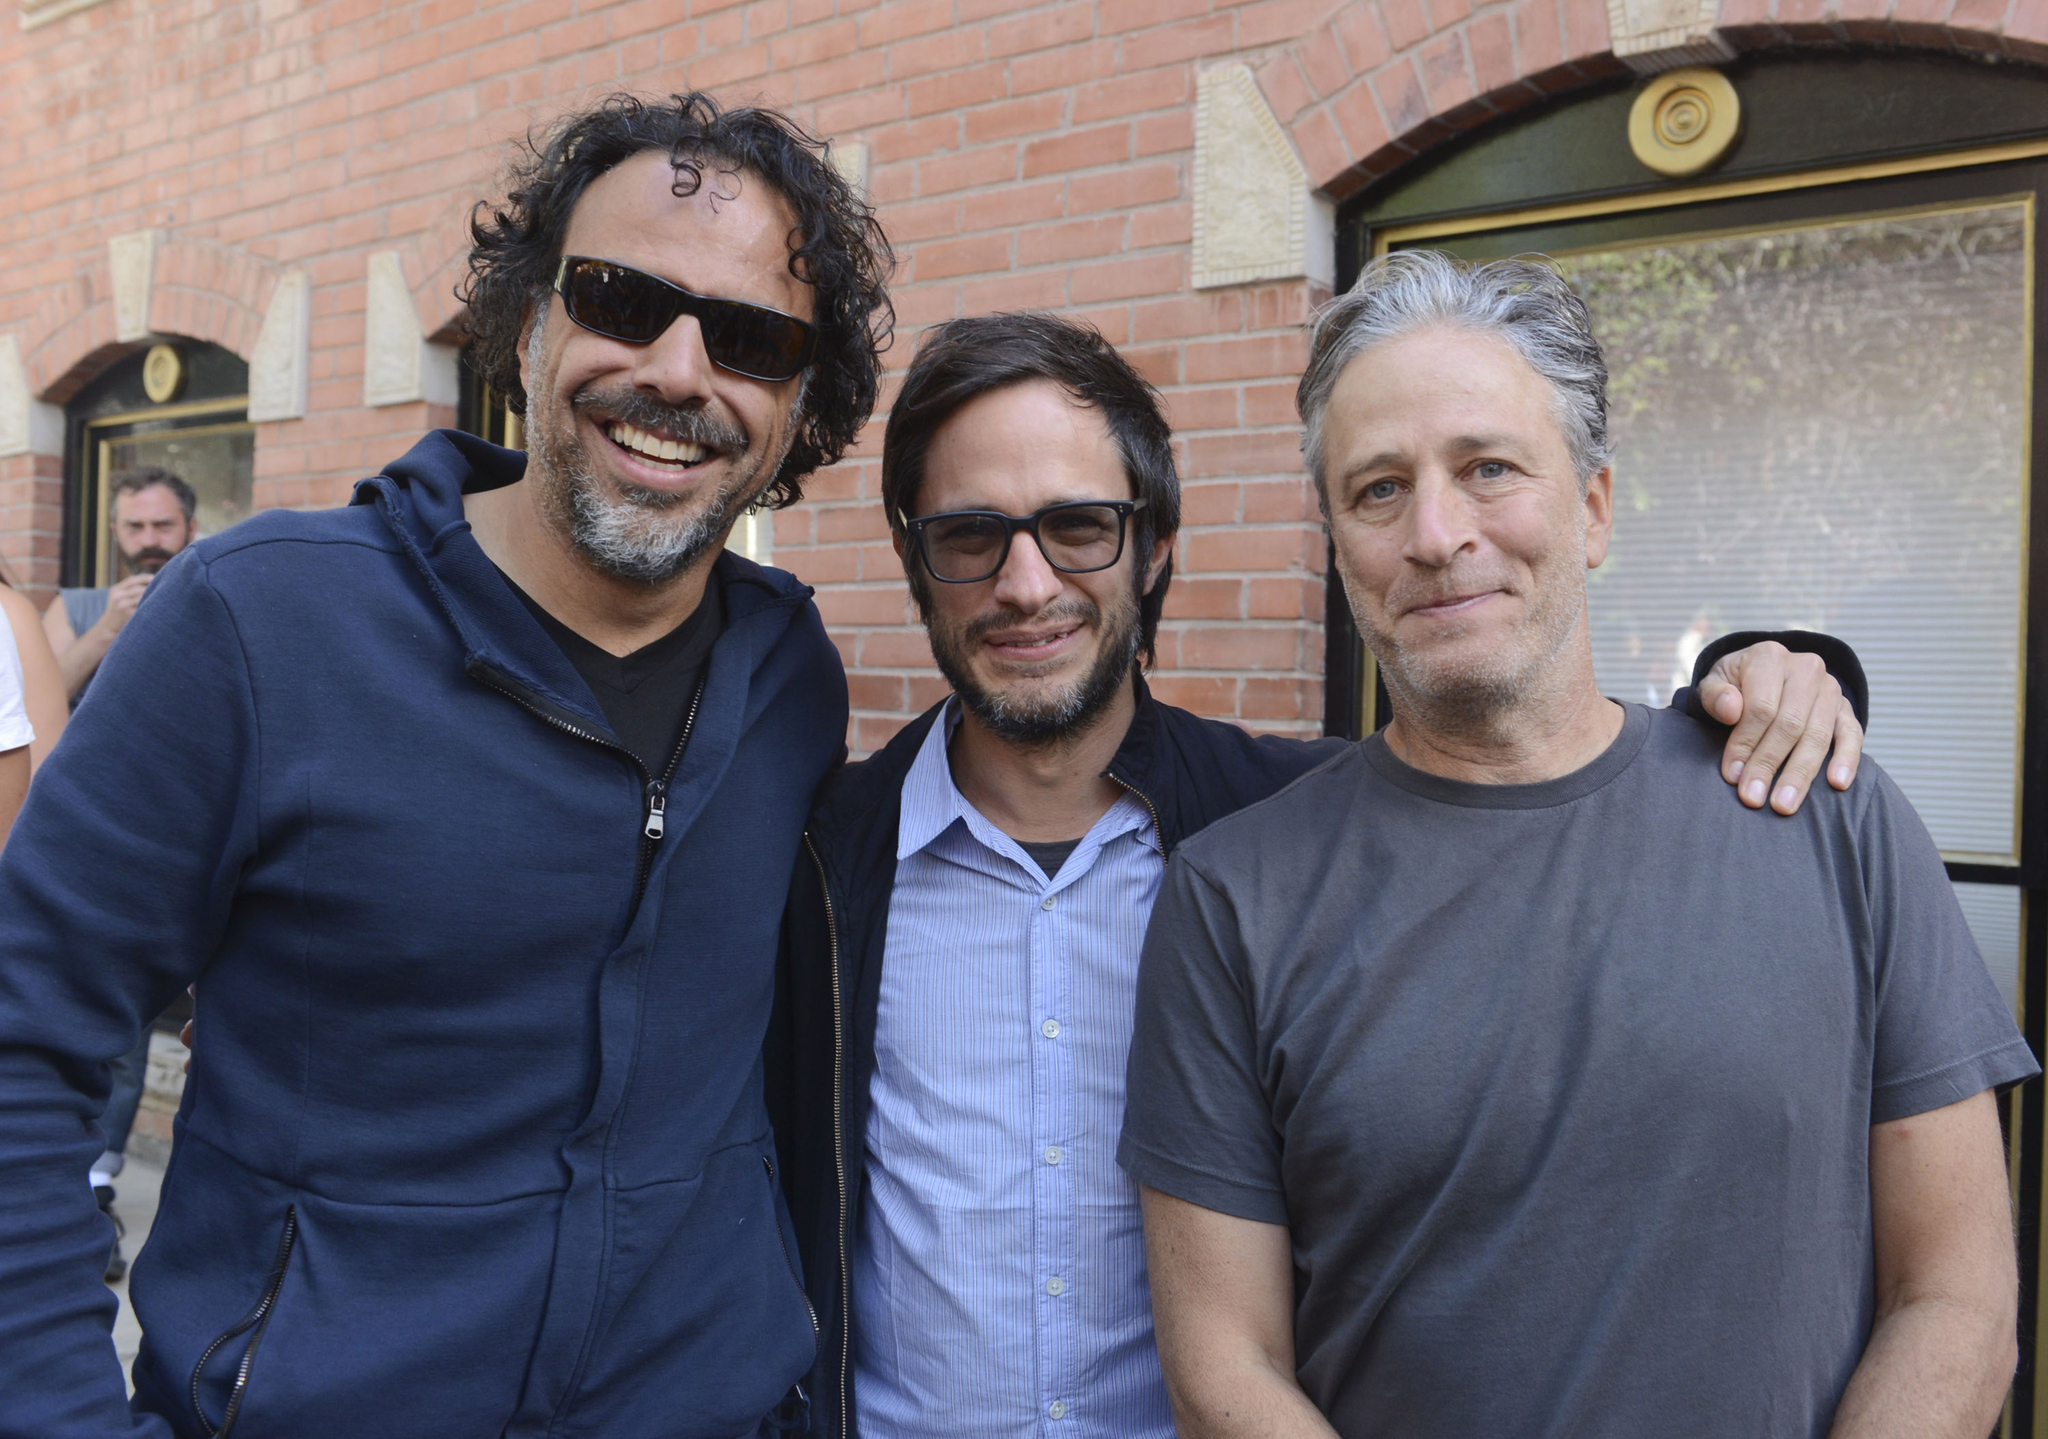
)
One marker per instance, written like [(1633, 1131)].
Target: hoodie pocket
[(252, 1324), (782, 1232)]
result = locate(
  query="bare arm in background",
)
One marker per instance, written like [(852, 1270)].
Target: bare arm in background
[(1942, 1348), (13, 787), (1223, 1306), (43, 692), (79, 655)]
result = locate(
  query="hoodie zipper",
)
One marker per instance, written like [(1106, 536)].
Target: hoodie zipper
[(654, 817), (838, 1131), (657, 789), (257, 1318)]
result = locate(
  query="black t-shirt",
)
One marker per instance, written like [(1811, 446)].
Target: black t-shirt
[(645, 694), (1050, 854)]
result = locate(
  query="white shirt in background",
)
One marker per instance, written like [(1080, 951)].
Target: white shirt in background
[(15, 730)]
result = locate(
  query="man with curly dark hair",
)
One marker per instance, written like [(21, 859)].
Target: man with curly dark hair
[(471, 808)]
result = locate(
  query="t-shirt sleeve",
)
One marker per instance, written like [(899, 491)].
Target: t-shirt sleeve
[(15, 730), (1197, 1123), (1944, 1032)]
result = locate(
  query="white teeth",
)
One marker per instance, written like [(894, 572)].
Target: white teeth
[(654, 447)]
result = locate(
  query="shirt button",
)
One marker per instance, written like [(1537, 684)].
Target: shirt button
[(1045, 903), (1052, 1155), (1057, 1409), (1055, 1286), (1050, 1029)]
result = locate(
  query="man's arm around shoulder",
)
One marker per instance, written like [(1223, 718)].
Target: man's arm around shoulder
[(1942, 1349), (1223, 1308)]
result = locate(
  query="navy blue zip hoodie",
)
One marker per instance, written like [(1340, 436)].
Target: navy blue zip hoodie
[(475, 1141)]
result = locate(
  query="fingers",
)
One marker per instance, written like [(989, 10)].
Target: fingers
[(1848, 748), (1789, 790), (1791, 706), (1744, 691), (1721, 698)]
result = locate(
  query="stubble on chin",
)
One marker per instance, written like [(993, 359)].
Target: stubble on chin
[(1461, 682), (1037, 716)]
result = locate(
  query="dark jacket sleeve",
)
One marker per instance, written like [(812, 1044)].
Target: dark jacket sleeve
[(1835, 654), (114, 888)]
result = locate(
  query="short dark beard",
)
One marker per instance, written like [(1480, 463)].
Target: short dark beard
[(140, 563), (1062, 719)]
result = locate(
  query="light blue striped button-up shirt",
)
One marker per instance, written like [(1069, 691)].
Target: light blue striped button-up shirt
[(999, 1277)]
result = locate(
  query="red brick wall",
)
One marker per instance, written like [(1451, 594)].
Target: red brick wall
[(1023, 154)]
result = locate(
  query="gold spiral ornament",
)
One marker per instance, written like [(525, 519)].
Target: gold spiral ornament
[(1685, 121)]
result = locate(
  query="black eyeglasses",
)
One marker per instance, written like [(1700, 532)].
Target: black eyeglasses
[(622, 303), (962, 547)]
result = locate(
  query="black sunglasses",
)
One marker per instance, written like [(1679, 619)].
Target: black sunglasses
[(622, 303), (962, 547)]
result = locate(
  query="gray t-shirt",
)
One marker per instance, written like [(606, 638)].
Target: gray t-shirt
[(1565, 1088)]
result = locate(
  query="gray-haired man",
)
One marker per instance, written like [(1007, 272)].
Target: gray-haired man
[(1496, 1078)]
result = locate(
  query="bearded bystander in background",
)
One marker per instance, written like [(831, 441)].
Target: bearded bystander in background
[(153, 518)]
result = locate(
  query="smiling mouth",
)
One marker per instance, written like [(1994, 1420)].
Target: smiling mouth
[(654, 450), (1443, 609), (1031, 645)]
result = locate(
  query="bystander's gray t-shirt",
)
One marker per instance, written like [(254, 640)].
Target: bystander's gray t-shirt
[(1565, 1089)]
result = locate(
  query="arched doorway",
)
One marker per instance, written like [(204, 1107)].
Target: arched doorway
[(180, 404), (1826, 382)]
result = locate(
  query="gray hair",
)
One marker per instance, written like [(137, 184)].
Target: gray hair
[(1522, 301)]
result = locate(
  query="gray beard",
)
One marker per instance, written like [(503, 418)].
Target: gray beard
[(636, 536), (1475, 701)]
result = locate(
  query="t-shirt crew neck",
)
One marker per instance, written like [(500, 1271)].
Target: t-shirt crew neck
[(1620, 753), (646, 694), (1564, 1090)]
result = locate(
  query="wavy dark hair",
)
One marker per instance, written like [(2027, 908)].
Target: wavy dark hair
[(836, 247), (960, 360)]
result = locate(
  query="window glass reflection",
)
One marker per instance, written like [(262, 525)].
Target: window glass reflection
[(1826, 427)]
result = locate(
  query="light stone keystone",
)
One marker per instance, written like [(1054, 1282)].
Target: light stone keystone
[(1256, 215), (132, 260), (277, 366), (399, 366), (1652, 36), (850, 159), (27, 425)]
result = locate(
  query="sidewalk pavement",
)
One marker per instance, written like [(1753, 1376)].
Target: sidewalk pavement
[(135, 1195)]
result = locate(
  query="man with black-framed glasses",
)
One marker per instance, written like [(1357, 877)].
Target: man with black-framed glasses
[(961, 949), (471, 807)]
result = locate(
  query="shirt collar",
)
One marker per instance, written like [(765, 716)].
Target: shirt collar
[(932, 802)]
